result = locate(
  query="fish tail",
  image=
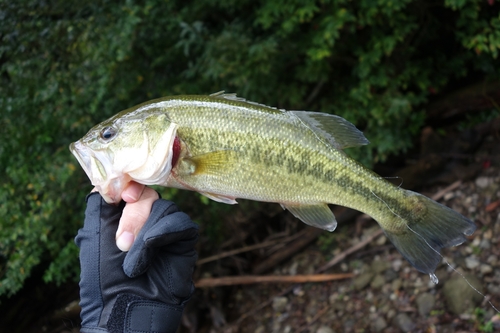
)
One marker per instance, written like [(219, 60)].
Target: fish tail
[(424, 228)]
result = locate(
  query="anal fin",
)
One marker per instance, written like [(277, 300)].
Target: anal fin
[(318, 215)]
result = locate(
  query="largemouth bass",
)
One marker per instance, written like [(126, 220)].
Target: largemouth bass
[(225, 148)]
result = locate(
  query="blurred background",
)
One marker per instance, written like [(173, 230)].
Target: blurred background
[(421, 79)]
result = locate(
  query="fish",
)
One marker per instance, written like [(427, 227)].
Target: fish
[(226, 148)]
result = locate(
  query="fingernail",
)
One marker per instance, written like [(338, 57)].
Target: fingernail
[(125, 241)]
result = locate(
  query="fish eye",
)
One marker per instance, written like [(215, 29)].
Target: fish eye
[(107, 133)]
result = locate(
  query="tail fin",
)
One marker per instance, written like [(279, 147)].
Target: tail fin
[(430, 227)]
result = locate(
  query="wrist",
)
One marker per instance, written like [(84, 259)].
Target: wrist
[(132, 313)]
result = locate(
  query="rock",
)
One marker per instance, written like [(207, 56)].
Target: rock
[(396, 284), (471, 262), (260, 329), (396, 264), (485, 244), (293, 268), (404, 322), (483, 182), (325, 329), (425, 303), (377, 282), (493, 289), (362, 280), (485, 269), (348, 325), (279, 304), (448, 196), (379, 324), (460, 297), (378, 266)]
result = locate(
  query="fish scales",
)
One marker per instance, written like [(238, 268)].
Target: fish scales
[(232, 149), (328, 176)]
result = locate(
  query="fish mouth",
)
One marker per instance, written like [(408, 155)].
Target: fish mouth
[(97, 168), (82, 155)]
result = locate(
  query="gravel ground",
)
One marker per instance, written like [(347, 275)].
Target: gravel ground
[(386, 294)]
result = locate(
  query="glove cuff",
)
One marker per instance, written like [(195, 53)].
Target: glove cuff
[(135, 314)]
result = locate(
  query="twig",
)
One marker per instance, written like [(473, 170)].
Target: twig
[(308, 235), (245, 249), (341, 256), (250, 279), (445, 190), (316, 317), (492, 206)]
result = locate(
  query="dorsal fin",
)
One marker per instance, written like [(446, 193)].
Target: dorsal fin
[(334, 129), (234, 97)]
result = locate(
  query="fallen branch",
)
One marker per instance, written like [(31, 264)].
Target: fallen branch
[(492, 206), (318, 315), (245, 249), (447, 189), (341, 256), (309, 235), (251, 279)]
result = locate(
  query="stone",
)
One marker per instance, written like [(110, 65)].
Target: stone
[(483, 182), (485, 269), (279, 304), (378, 266), (425, 303), (460, 297), (325, 329), (362, 280), (404, 322), (379, 324), (260, 329), (471, 262), (390, 275), (377, 282)]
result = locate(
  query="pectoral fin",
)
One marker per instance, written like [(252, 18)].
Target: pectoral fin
[(319, 216), (220, 198), (213, 163)]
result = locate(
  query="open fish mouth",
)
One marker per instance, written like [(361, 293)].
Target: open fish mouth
[(98, 169), (82, 155)]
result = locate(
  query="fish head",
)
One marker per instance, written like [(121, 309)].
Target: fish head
[(129, 146)]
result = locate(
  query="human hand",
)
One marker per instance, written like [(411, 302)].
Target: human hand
[(145, 289), (139, 199)]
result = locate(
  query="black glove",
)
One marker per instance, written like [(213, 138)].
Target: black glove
[(144, 290)]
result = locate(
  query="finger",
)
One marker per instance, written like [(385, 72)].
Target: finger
[(133, 192), (133, 218)]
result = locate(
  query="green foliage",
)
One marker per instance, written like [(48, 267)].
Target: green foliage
[(482, 324), (67, 65)]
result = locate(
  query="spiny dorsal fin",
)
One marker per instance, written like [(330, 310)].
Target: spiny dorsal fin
[(334, 129), (234, 97)]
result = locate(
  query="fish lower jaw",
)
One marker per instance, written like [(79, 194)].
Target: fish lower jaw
[(112, 189)]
